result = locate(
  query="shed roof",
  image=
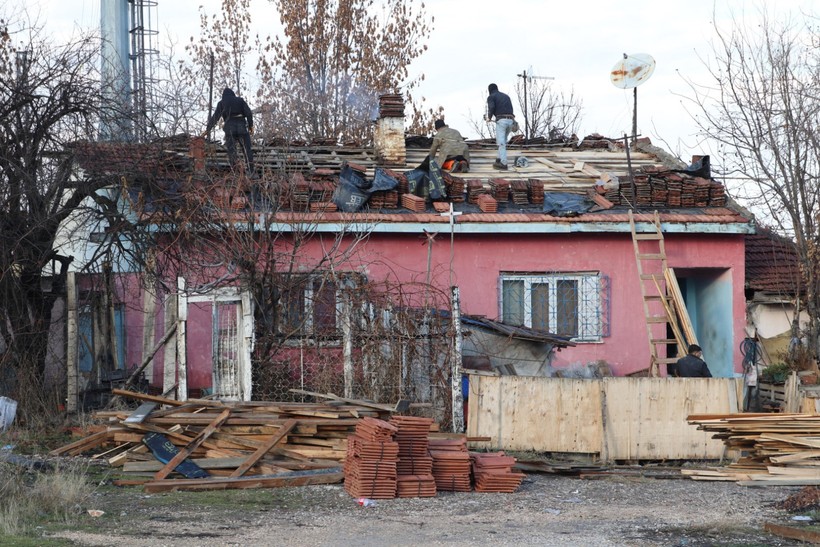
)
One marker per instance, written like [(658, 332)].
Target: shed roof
[(772, 264)]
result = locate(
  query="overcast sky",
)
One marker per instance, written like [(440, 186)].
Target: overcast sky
[(476, 42)]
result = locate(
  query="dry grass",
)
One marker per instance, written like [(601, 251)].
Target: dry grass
[(30, 499)]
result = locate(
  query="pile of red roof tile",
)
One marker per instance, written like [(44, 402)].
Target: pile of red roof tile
[(391, 105), (493, 472), (500, 189), (370, 464), (520, 192), (451, 464), (536, 191), (475, 188), (414, 203), (487, 203), (415, 466)]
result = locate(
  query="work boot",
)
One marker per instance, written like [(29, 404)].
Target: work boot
[(456, 167), (465, 167), (500, 166)]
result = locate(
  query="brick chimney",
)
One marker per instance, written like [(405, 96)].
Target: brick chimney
[(388, 136)]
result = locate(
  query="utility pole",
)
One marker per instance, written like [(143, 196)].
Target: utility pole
[(529, 77)]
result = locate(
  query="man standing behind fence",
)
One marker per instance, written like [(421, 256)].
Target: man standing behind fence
[(690, 366)]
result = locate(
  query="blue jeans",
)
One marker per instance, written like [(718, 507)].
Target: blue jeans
[(502, 131)]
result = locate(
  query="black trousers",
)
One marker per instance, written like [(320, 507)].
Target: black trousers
[(237, 130)]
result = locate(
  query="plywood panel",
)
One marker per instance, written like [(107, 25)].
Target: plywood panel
[(618, 418), (534, 413)]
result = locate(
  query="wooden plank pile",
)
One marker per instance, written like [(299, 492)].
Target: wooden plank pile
[(776, 449), (243, 444)]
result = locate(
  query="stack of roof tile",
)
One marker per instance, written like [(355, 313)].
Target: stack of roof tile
[(500, 189), (454, 186), (391, 105), (493, 472), (370, 464), (415, 466), (520, 192), (322, 206), (643, 190), (702, 187), (475, 188), (717, 195), (441, 206), (536, 191), (321, 190), (451, 464), (487, 203), (660, 191), (414, 203)]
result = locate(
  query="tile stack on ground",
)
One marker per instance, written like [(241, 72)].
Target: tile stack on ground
[(451, 464), (370, 465), (415, 466), (493, 472)]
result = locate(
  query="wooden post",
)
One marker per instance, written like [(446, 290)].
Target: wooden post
[(347, 345), (169, 376), (72, 344), (182, 361), (246, 389), (455, 365), (149, 314)]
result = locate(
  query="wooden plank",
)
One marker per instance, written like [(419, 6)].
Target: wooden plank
[(86, 443), (204, 463), (145, 397), (296, 478), (358, 402), (264, 449), (186, 451), (791, 532)]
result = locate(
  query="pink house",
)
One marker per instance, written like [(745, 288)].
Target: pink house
[(517, 258)]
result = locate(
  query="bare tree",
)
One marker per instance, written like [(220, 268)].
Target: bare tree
[(49, 96), (336, 57), (761, 106), (551, 115)]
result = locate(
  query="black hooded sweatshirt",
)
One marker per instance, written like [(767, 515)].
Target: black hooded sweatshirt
[(230, 106)]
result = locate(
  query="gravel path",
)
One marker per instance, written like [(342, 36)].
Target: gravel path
[(547, 510)]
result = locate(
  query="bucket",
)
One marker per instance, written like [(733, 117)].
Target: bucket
[(8, 409)]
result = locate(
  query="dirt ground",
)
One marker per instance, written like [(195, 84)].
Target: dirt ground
[(547, 510)]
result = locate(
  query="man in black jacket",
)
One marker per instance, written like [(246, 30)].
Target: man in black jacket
[(500, 106), (238, 125), (690, 366)]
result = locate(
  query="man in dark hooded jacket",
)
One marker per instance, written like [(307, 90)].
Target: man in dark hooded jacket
[(238, 124), (690, 366)]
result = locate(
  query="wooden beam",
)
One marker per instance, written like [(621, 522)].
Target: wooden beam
[(264, 449), (72, 345), (193, 445), (296, 478), (791, 532), (358, 402)]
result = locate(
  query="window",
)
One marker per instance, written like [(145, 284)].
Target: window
[(310, 305), (568, 304)]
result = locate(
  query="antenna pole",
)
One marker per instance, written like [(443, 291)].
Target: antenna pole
[(526, 125), (635, 114)]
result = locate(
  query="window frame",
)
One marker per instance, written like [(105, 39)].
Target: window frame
[(591, 303)]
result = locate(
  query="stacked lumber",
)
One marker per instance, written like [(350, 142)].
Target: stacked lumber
[(493, 472), (271, 443), (415, 466), (372, 455), (776, 449), (451, 464)]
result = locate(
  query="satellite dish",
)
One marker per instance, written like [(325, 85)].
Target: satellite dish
[(632, 70)]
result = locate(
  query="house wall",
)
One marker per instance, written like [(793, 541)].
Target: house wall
[(479, 259)]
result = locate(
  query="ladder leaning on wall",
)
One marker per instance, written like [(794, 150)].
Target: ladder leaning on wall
[(662, 300)]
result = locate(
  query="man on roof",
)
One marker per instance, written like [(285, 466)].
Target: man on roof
[(500, 106), (449, 149), (238, 125)]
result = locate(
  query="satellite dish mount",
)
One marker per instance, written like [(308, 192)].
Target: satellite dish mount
[(630, 72)]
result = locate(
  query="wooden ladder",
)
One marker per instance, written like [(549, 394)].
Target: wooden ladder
[(658, 306)]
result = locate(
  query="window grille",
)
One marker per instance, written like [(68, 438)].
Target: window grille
[(568, 304)]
